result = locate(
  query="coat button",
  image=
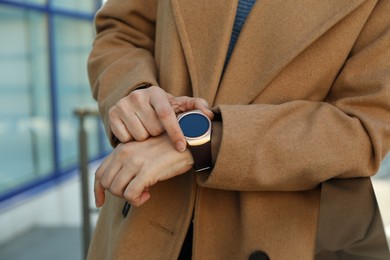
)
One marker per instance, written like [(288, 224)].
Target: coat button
[(259, 255)]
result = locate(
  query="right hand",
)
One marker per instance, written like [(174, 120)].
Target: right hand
[(150, 112)]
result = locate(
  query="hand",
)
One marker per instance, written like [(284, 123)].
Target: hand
[(132, 168), (150, 112)]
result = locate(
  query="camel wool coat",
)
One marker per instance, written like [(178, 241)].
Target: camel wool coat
[(304, 102)]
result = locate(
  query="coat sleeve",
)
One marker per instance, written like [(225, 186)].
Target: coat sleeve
[(299, 144), (122, 55)]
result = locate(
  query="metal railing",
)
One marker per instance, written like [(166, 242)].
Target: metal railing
[(82, 114)]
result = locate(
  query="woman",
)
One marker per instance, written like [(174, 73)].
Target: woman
[(300, 99)]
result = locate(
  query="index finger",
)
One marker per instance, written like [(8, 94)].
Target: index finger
[(98, 187), (167, 116)]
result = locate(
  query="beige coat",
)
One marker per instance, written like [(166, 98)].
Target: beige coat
[(304, 99)]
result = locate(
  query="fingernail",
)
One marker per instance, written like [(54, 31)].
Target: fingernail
[(180, 146)]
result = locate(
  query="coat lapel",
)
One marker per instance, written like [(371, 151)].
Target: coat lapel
[(275, 32), (204, 27)]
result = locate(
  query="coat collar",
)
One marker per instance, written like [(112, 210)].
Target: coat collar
[(275, 32)]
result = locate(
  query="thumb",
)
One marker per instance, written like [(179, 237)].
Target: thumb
[(202, 105), (99, 195), (184, 103)]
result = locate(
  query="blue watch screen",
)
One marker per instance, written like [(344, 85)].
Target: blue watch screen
[(194, 125)]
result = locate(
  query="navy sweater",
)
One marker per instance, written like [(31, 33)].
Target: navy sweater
[(243, 9)]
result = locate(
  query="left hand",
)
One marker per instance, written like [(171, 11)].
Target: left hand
[(132, 168)]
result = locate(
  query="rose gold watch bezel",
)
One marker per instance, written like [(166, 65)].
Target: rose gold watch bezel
[(195, 141)]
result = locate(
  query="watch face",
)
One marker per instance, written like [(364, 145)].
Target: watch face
[(194, 125)]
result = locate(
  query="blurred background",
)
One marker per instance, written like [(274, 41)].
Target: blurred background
[(44, 46), (44, 92)]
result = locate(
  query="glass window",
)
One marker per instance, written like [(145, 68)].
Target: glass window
[(25, 119), (72, 45), (31, 1), (75, 5), (36, 132)]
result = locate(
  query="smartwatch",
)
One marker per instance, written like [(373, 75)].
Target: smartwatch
[(196, 127)]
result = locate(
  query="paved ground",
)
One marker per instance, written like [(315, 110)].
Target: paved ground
[(60, 243)]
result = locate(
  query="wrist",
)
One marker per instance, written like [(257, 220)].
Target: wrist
[(216, 139), (196, 127)]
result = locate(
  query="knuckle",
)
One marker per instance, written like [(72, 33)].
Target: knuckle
[(116, 190), (123, 152), (201, 101), (119, 135), (121, 105), (98, 173), (124, 138), (141, 136), (144, 136), (134, 162), (136, 96), (112, 112), (187, 99), (165, 112), (106, 183), (119, 111), (156, 131), (129, 196), (154, 89)]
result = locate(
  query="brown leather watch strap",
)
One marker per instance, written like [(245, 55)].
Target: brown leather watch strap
[(202, 156)]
